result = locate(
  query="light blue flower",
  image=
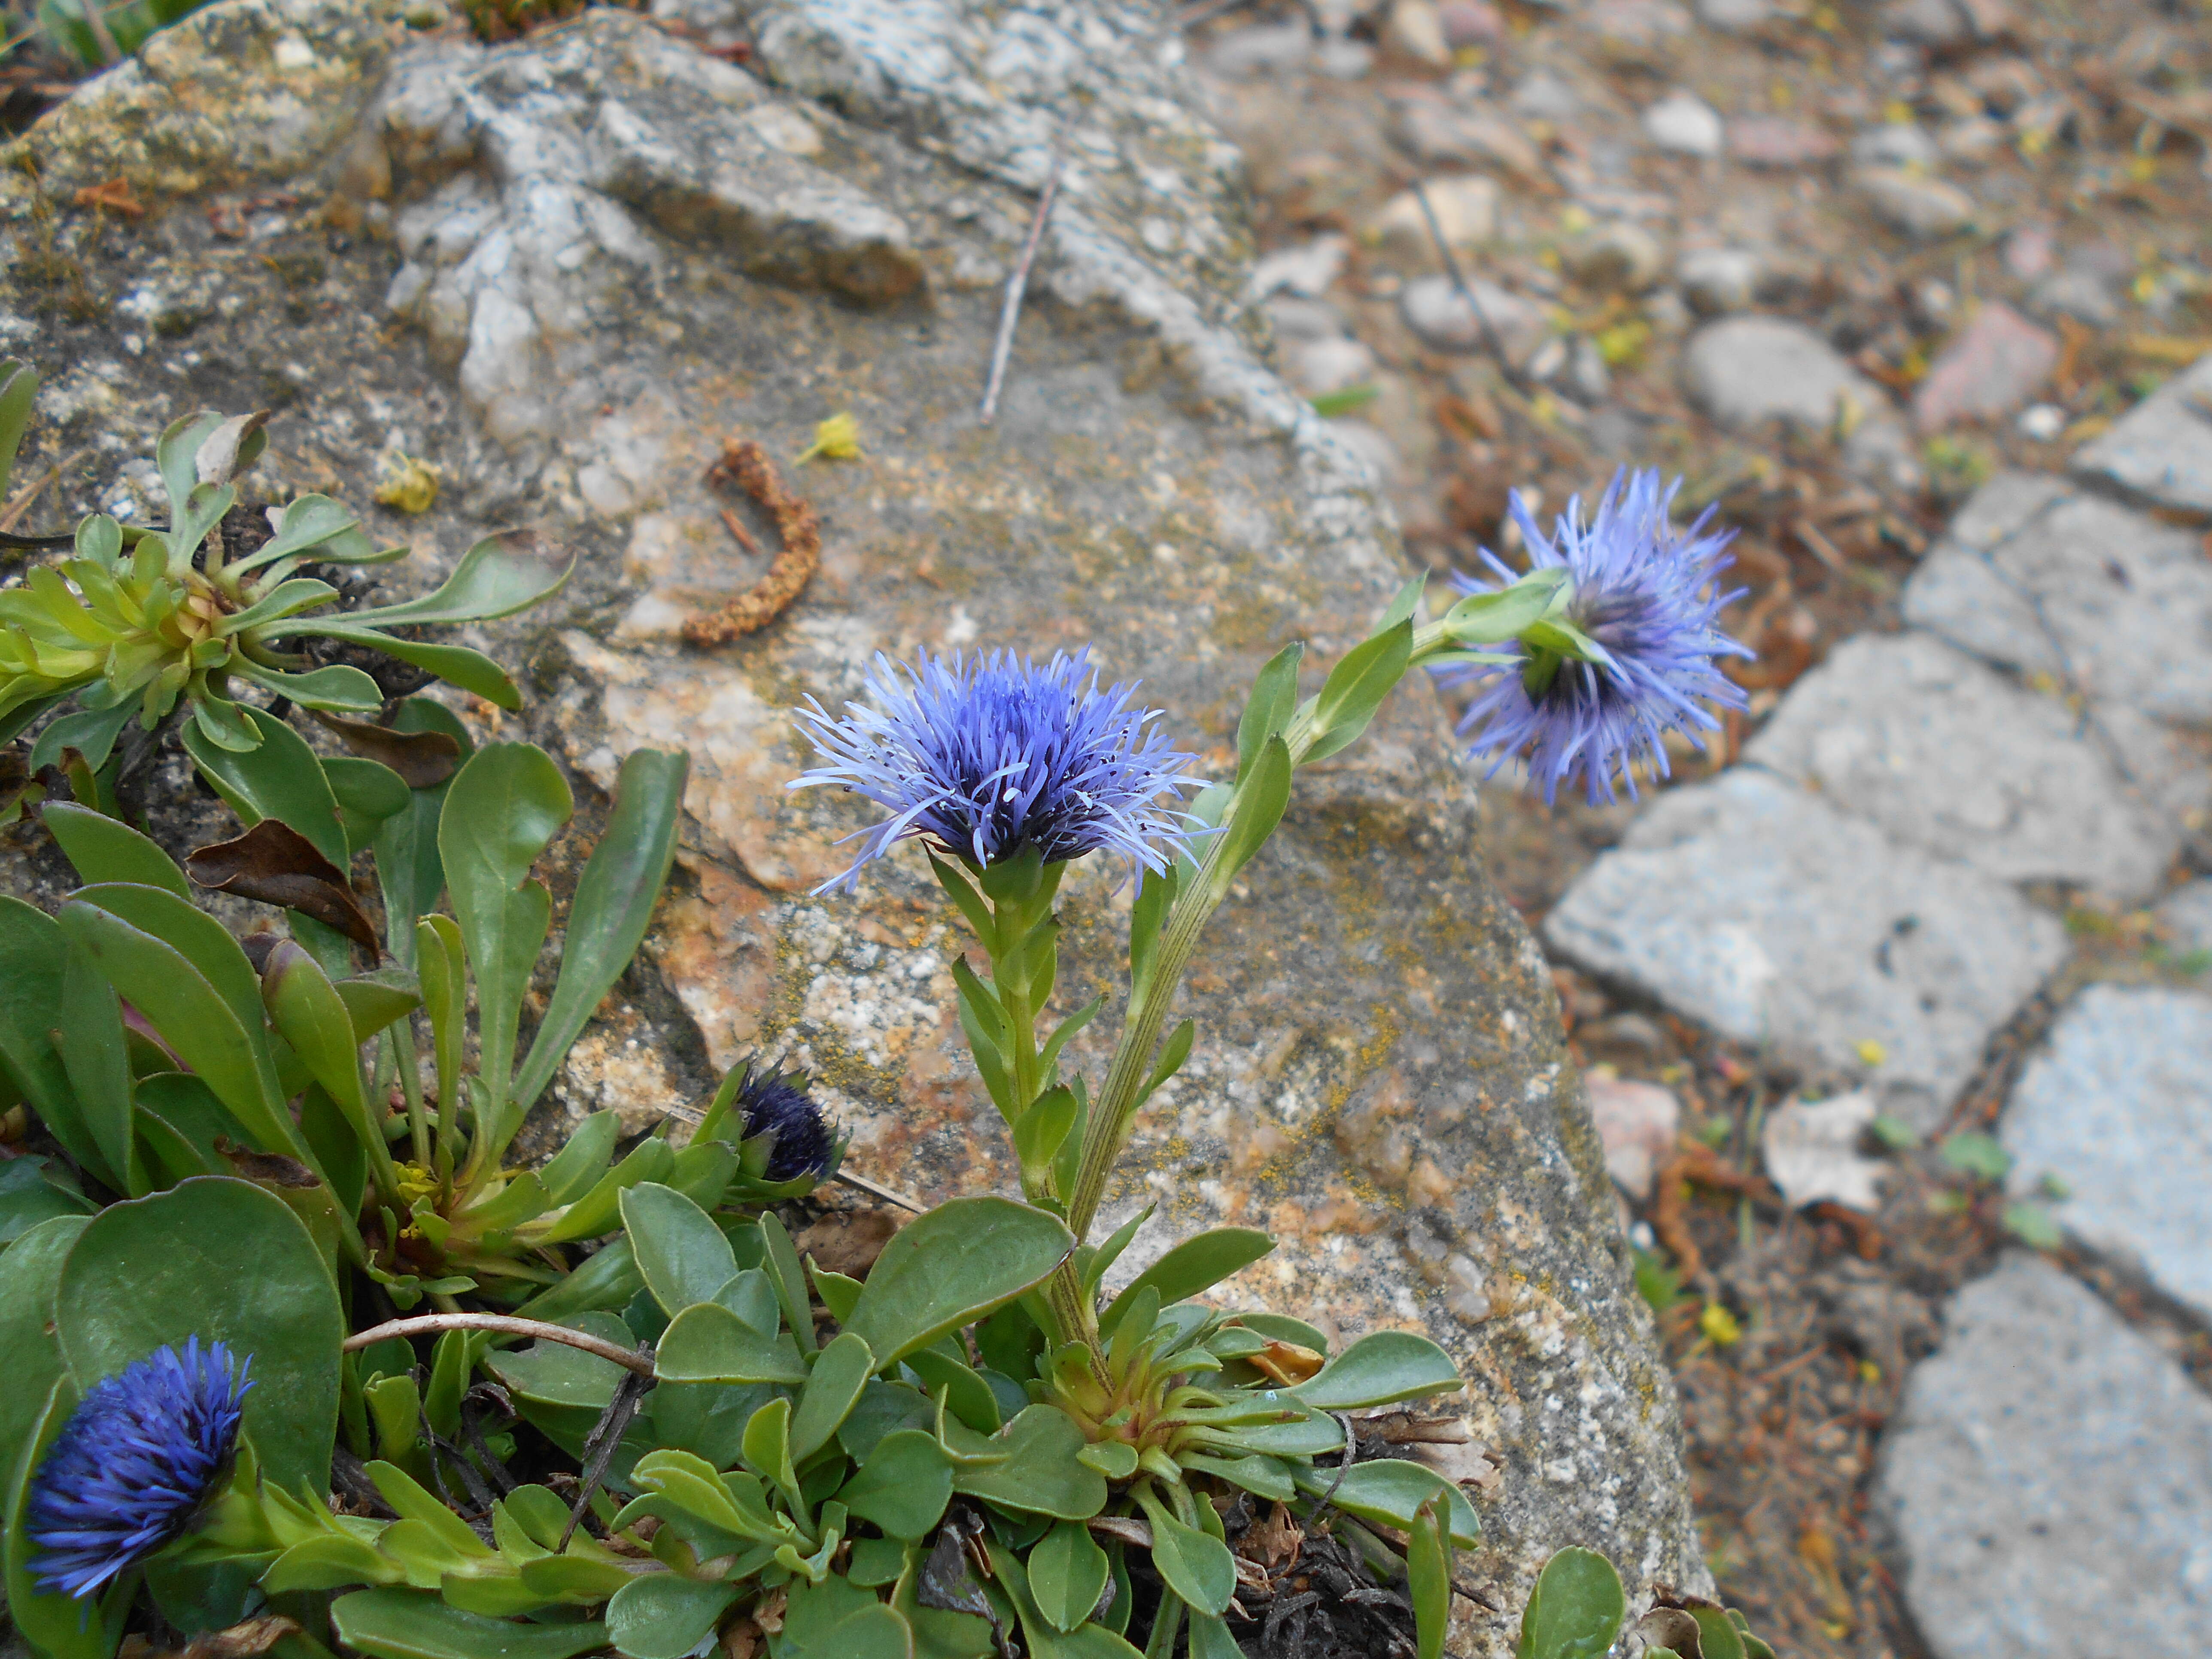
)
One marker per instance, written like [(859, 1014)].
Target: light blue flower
[(987, 756), (1646, 593)]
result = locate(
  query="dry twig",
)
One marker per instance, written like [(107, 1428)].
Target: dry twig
[(1017, 284)]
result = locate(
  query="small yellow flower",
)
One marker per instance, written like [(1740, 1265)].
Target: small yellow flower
[(1870, 1052), (405, 483), (837, 439), (1720, 1326)]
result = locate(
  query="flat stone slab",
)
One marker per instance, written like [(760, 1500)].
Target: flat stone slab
[(2050, 1477), (1879, 729), (2188, 918), (2040, 576), (2118, 1110), (1754, 905), (2163, 449)]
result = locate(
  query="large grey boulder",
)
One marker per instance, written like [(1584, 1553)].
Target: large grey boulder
[(566, 269), (2050, 1477)]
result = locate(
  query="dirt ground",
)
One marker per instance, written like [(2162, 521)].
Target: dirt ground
[(2088, 129)]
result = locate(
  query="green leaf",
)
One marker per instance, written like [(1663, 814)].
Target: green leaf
[(560, 1389), (398, 1623), (502, 810), (1040, 1473), (91, 732), (1257, 809), (497, 577), (88, 1034), (30, 1274), (62, 1627), (456, 665), (781, 1261), (967, 1395), (1209, 1637), (1313, 1437), (31, 969), (599, 1210), (212, 1019), (768, 1451), (1392, 1490), (1403, 603), (312, 1017), (18, 392), (367, 794), (1978, 1155), (1274, 698), (951, 1266), (1428, 1575), (708, 1343), (1195, 1265), (902, 1486), (602, 1282), (840, 1371), (1045, 1642), (34, 1190), (1067, 1570), (1268, 1477), (1155, 894), (614, 902), (1196, 1565), (1356, 687), (1494, 618), (665, 1617), (577, 1167), (1576, 1609), (281, 778), (684, 1256), (102, 849), (1040, 1132), (1381, 1367), (1115, 1458), (409, 870), (838, 1619), (155, 1271)]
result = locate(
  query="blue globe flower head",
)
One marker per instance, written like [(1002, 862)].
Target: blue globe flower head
[(132, 1467), (806, 1143), (989, 755), (1644, 590)]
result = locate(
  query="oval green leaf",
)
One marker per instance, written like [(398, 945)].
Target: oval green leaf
[(951, 1266)]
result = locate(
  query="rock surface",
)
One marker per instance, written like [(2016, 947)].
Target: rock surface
[(2050, 580), (1757, 907), (2116, 1114), (2050, 1480), (1880, 727), (1996, 364), (2188, 916), (1743, 371), (2162, 450), (585, 297)]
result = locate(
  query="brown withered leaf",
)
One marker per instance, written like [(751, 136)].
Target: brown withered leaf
[(1673, 1630), (244, 1641), (1288, 1363), (274, 863), (422, 759)]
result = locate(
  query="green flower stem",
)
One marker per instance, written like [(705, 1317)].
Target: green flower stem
[(410, 1089), (1489, 620)]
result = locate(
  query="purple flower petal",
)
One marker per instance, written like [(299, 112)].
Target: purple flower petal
[(985, 756), (133, 1464), (1644, 590)]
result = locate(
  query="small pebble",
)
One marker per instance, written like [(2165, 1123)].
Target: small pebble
[(1684, 123), (2042, 421)]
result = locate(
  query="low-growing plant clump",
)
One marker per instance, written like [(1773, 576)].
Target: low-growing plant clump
[(297, 1356)]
